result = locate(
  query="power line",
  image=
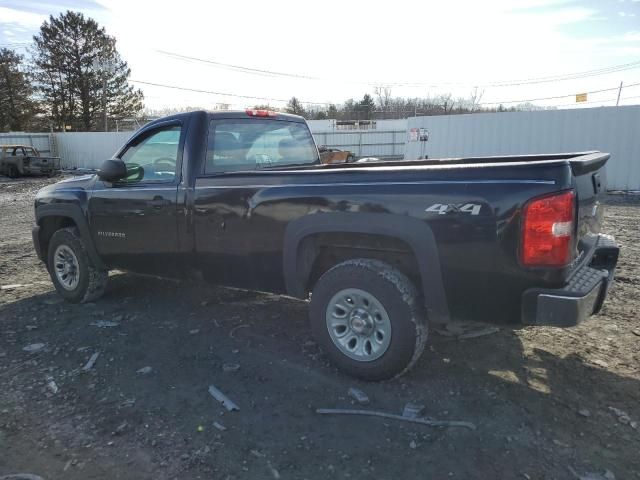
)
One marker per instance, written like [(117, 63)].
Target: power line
[(505, 83), (568, 76), (225, 94), (24, 45), (555, 97), (591, 102), (533, 81), (237, 67)]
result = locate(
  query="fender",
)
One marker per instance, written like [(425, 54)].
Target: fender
[(74, 212), (416, 233)]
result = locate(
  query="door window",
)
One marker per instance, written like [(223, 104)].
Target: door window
[(153, 156)]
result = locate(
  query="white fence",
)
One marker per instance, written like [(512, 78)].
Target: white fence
[(384, 125), (41, 141), (77, 149), (88, 149), (615, 130), (366, 143), (386, 140)]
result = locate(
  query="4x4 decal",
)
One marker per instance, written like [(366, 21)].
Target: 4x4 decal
[(442, 208)]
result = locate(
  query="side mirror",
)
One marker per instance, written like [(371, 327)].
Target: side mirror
[(112, 170)]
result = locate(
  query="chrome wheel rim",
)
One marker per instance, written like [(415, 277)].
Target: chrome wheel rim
[(358, 324), (65, 265)]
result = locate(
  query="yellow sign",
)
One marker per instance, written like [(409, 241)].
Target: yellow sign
[(581, 97)]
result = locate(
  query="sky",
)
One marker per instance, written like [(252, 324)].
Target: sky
[(327, 52)]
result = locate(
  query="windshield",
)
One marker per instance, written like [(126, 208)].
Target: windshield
[(251, 144)]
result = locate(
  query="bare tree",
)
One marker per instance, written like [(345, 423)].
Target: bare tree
[(384, 97), (447, 103), (476, 98)]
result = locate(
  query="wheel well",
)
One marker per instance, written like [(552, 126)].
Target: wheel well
[(50, 225), (320, 252)]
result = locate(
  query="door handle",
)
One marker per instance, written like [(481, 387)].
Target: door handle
[(159, 202)]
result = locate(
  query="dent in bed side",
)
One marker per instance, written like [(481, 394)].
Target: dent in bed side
[(297, 262)]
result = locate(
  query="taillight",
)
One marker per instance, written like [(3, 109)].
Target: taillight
[(261, 113), (547, 230)]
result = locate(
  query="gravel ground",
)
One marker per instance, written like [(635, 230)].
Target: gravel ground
[(548, 403)]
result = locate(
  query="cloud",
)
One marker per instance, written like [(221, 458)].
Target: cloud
[(21, 17), (631, 36), (455, 43)]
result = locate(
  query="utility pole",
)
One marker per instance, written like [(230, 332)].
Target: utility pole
[(104, 101), (619, 92), (105, 66)]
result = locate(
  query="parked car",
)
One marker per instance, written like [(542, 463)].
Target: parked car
[(20, 160), (335, 155), (381, 249)]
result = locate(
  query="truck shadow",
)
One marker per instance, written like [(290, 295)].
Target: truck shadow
[(525, 395)]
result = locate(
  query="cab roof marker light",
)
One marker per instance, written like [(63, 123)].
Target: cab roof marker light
[(261, 113)]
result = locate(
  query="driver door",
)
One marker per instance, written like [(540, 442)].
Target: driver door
[(134, 221)]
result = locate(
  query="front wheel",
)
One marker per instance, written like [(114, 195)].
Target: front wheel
[(74, 276), (366, 316)]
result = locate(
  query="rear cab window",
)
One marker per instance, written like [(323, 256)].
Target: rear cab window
[(257, 143)]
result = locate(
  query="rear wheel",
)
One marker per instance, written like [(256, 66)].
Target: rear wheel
[(74, 276), (366, 316)]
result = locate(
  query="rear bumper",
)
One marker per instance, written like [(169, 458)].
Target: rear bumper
[(583, 295)]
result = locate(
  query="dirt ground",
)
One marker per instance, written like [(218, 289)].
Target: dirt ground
[(548, 403)]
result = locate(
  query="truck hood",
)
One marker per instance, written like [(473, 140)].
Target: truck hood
[(65, 190)]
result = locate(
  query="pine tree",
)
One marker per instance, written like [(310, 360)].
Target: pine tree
[(295, 107), (18, 107), (367, 107), (80, 75)]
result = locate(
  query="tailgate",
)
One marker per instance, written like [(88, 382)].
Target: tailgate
[(589, 179)]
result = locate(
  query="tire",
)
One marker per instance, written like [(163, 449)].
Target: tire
[(66, 248), (13, 171), (385, 347)]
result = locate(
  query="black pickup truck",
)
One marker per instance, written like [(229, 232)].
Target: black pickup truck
[(378, 248)]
